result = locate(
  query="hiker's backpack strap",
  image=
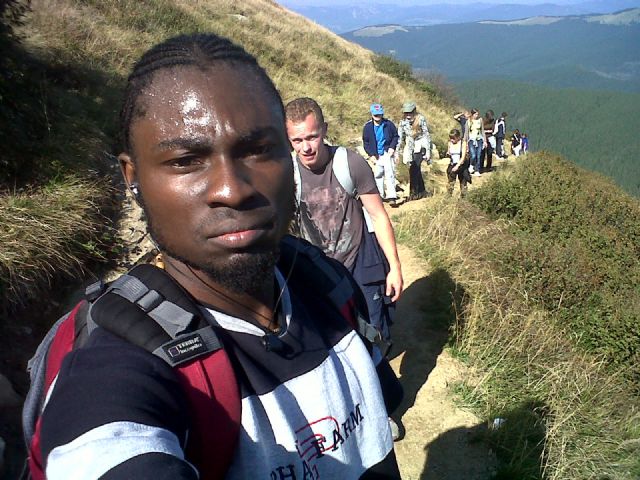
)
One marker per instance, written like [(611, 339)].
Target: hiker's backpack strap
[(148, 308), (310, 268), (212, 391), (342, 173), (297, 179), (331, 280)]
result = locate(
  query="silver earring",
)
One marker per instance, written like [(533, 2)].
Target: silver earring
[(134, 189)]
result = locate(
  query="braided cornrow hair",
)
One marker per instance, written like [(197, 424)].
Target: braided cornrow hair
[(200, 50)]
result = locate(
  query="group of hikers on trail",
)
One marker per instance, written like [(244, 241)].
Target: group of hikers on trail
[(471, 147), (257, 346)]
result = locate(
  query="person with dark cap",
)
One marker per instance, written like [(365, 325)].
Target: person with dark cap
[(414, 132), (380, 140)]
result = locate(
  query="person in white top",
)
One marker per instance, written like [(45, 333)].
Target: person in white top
[(459, 163)]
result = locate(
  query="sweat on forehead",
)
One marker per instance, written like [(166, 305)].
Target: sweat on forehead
[(203, 101), (200, 51)]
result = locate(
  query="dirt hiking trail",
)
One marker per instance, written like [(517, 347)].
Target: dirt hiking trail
[(441, 441)]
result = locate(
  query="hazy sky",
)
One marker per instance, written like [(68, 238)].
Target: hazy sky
[(326, 3)]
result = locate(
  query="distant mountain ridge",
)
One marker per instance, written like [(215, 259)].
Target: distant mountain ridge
[(624, 17), (588, 51), (345, 18)]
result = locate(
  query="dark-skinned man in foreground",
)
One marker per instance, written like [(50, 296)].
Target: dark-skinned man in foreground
[(206, 153)]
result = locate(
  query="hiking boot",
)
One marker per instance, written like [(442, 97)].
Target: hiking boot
[(477, 174)]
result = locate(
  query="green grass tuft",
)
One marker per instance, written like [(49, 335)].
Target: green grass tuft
[(46, 233)]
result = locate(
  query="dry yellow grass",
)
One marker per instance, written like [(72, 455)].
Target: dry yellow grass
[(303, 58), (43, 233)]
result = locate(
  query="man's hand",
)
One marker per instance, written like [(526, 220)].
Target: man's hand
[(391, 151), (395, 284)]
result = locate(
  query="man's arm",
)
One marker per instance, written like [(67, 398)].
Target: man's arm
[(394, 136), (386, 238), (366, 141)]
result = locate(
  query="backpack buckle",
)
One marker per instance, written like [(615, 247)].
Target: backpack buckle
[(149, 301), (93, 291)]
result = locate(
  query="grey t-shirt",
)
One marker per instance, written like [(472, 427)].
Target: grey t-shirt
[(329, 217)]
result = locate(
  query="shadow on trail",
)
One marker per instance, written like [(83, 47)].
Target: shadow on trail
[(516, 439), (425, 316), (459, 453)]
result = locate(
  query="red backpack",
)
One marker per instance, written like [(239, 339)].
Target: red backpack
[(149, 309)]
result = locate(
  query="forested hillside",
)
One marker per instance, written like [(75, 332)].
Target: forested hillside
[(596, 130), (544, 51)]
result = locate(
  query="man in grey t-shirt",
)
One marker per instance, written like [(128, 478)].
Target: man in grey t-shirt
[(333, 219)]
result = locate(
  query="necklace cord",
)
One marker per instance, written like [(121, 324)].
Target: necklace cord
[(235, 302)]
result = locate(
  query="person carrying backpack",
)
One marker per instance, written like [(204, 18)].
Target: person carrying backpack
[(332, 213), (241, 358), (458, 163), (516, 142), (413, 130)]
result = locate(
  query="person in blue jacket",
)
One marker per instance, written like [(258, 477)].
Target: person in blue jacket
[(380, 139)]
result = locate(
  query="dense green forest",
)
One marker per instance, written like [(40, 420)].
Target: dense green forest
[(565, 54), (594, 129)]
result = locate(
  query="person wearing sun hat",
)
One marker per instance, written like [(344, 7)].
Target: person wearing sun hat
[(380, 139), (413, 130)]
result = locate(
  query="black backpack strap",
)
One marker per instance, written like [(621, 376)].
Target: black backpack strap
[(329, 278), (149, 309), (312, 269)]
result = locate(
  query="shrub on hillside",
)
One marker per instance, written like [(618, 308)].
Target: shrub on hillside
[(577, 244), (403, 71), (392, 66), (566, 415)]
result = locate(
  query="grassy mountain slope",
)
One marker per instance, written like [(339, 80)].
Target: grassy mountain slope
[(593, 129), (544, 286), (301, 57), (77, 57)]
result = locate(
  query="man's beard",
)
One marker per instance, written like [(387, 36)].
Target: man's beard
[(244, 273)]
